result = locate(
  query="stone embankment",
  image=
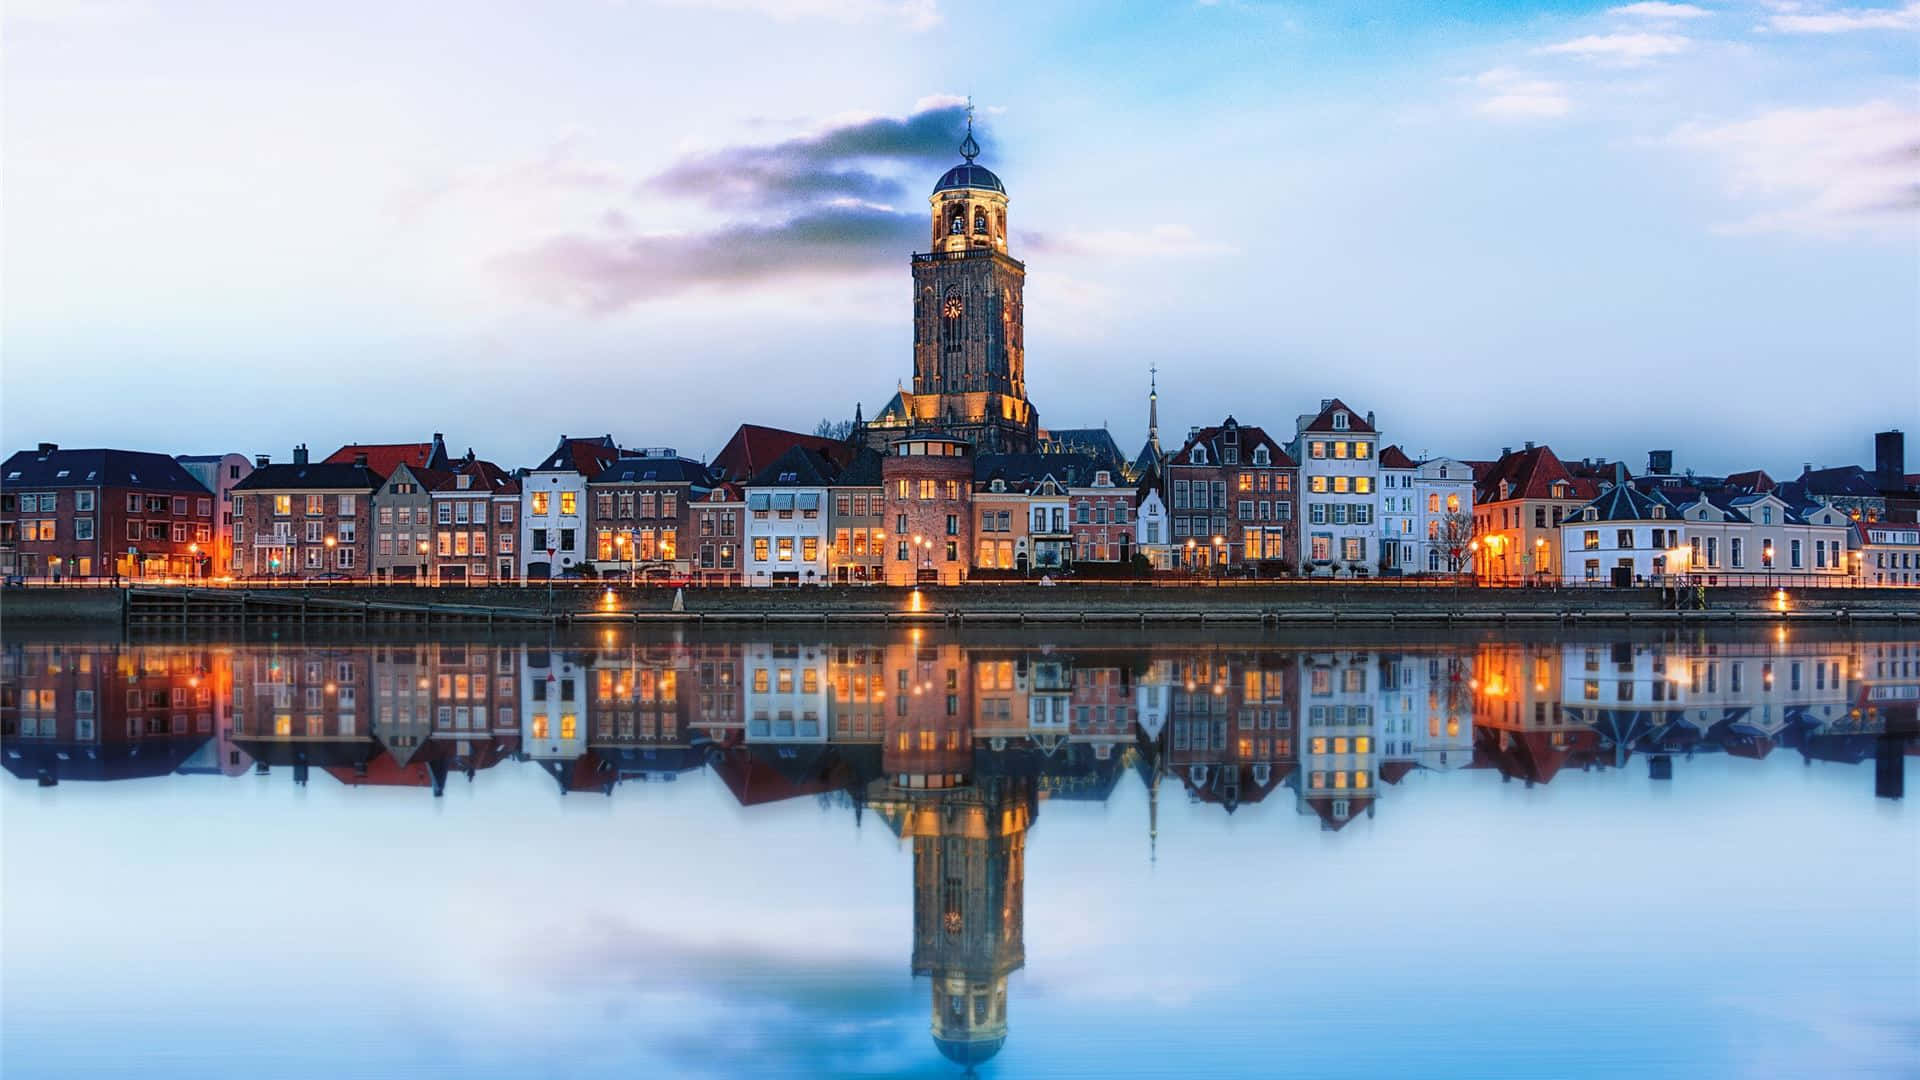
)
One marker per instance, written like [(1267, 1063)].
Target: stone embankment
[(1279, 603)]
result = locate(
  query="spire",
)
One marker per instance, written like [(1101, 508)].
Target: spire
[(1153, 408), (1153, 817), (968, 148)]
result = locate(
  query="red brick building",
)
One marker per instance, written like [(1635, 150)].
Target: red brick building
[(476, 510), (1102, 512), (305, 521), (640, 514), (717, 529), (928, 487), (99, 514), (1230, 498)]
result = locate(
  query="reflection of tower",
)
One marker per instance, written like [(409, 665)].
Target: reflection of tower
[(969, 870)]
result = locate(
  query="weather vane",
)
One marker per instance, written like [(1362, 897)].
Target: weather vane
[(968, 148)]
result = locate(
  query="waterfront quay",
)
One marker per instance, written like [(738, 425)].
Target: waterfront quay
[(1260, 603)]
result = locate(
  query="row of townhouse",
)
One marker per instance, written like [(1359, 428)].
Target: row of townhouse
[(1331, 499), (1539, 519)]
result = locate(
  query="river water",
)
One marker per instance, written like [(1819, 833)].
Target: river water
[(905, 854)]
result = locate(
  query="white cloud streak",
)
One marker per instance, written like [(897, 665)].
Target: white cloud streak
[(1623, 50), (1518, 95), (1818, 170), (1845, 20), (1656, 9)]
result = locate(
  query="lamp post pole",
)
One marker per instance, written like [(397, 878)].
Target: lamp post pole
[(331, 541)]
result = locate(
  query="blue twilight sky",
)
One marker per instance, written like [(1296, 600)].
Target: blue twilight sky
[(235, 226)]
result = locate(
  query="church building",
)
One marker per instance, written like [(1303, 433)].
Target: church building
[(969, 352)]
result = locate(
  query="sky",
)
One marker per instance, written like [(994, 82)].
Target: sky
[(1610, 227)]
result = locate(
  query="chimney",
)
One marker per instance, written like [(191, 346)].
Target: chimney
[(1326, 403), (261, 461), (360, 460), (1660, 463), (300, 454), (1506, 451), (1890, 460), (48, 448), (1369, 417), (1806, 467), (1529, 444), (439, 452)]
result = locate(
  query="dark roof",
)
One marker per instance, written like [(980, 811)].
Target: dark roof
[(1624, 502), (1357, 423), (1096, 443), (753, 447), (383, 458), (588, 457), (318, 477), (798, 467), (1071, 470), (1849, 481), (655, 470), (969, 1052), (1395, 458), (863, 471), (1247, 437), (486, 477), (969, 175), (97, 468), (1751, 480)]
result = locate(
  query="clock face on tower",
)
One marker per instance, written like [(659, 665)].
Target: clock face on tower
[(953, 307)]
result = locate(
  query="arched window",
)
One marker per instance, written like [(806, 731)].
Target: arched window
[(980, 221), (957, 224)]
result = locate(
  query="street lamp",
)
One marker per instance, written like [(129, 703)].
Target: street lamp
[(331, 541), (193, 568), (423, 562), (1219, 553), (1193, 561)]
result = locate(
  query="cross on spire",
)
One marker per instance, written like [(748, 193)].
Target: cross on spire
[(968, 148)]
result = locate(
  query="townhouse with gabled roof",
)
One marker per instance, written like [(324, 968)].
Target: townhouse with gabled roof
[(1231, 500), (1338, 454), (553, 506), (1519, 501)]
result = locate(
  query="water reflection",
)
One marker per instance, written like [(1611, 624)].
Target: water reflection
[(956, 746)]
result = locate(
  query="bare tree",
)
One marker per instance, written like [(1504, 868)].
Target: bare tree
[(1454, 541), (833, 429)]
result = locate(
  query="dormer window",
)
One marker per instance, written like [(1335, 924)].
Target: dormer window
[(1659, 513), (1590, 514), (1199, 455), (1260, 456), (1559, 489), (1340, 421)]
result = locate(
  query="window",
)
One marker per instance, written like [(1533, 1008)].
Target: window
[(1322, 547), (1735, 555), (810, 548), (1623, 539), (569, 502), (83, 528), (83, 501), (1317, 485), (1363, 485), (785, 548), (1590, 539), (1354, 549), (540, 502), (1794, 555)]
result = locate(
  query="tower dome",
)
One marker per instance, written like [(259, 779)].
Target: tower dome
[(969, 175), (969, 204)]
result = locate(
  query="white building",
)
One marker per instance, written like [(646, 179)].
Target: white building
[(553, 706), (1443, 515), (1337, 451), (1626, 530), (786, 697), (786, 526), (1150, 535), (553, 511), (1760, 534)]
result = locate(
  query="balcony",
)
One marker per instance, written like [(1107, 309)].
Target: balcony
[(968, 253)]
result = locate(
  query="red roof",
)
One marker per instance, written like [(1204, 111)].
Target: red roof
[(1395, 458), (1755, 480), (1356, 422), (753, 448), (1531, 474), (383, 458), (1248, 437), (486, 475), (1322, 805), (1393, 772)]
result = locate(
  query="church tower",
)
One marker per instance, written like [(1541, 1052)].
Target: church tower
[(969, 338)]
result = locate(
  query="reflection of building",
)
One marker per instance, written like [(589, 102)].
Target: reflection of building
[(969, 876), (71, 713), (1338, 754)]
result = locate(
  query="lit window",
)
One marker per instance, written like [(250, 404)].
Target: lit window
[(540, 502), (569, 502)]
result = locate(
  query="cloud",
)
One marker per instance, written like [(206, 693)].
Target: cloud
[(915, 14), (847, 199), (1844, 20), (1519, 95), (611, 269), (1821, 170), (1655, 9), (861, 158), (1155, 240), (1623, 50)]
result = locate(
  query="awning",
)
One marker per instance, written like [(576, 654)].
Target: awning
[(809, 500), (783, 501), (757, 501)]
